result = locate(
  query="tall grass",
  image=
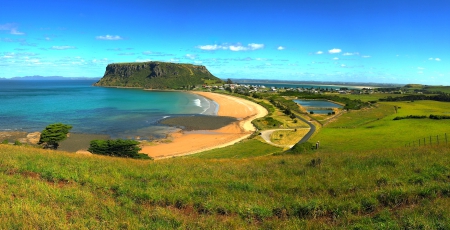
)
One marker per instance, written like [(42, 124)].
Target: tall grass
[(401, 188)]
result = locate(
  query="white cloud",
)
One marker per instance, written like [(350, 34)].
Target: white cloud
[(12, 28), (126, 54), (143, 60), (191, 56), (430, 59), (63, 47), (350, 54), (421, 68), (16, 32), (319, 52), (254, 46), (343, 65), (109, 37), (281, 48), (437, 59), (335, 58), (434, 59), (210, 47), (101, 61), (334, 51), (366, 56), (238, 47)]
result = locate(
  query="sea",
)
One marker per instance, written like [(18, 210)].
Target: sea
[(31, 105)]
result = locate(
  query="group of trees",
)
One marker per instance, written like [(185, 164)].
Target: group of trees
[(55, 133), (439, 97), (435, 117)]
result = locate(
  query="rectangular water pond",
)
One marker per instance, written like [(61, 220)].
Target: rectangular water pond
[(318, 106)]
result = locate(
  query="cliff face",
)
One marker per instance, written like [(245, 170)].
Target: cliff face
[(155, 75)]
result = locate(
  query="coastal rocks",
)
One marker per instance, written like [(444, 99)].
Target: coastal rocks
[(22, 137), (33, 138)]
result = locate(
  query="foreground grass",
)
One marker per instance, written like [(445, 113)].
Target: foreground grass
[(400, 188)]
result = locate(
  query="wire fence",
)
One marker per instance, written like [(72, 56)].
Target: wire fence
[(429, 141)]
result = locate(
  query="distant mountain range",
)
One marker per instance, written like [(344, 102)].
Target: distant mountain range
[(42, 78)]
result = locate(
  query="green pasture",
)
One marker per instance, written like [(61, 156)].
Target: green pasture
[(403, 188), (444, 89), (370, 97), (375, 128), (243, 149)]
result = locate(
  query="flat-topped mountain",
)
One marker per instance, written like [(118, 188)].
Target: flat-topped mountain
[(156, 75)]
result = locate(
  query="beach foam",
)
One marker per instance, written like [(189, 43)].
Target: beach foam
[(197, 103)]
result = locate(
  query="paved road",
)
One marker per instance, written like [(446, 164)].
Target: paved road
[(311, 131)]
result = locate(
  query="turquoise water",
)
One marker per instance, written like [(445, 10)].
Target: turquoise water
[(316, 104), (121, 113)]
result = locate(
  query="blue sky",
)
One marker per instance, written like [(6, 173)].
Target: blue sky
[(323, 40)]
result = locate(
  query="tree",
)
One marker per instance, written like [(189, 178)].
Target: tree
[(117, 148), (229, 81), (53, 134)]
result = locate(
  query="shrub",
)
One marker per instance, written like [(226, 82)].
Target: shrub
[(5, 142), (18, 143), (118, 148)]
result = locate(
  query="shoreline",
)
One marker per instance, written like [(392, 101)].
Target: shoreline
[(183, 142), (190, 142)]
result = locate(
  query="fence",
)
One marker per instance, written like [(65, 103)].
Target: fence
[(429, 141)]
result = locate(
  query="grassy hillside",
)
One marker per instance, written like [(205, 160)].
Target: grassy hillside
[(156, 75), (375, 128), (398, 188)]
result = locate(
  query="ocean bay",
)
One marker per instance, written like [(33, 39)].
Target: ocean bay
[(121, 113)]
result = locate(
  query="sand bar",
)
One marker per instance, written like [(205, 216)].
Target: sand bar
[(185, 143)]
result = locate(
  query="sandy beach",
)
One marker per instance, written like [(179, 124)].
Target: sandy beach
[(185, 143)]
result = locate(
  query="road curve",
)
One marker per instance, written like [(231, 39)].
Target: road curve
[(311, 131)]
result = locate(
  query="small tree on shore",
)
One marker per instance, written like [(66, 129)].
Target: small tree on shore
[(53, 134), (117, 148)]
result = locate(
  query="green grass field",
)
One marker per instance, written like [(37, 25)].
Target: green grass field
[(370, 97), (403, 188), (375, 128)]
